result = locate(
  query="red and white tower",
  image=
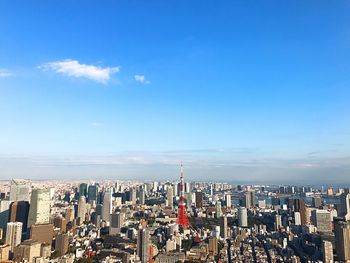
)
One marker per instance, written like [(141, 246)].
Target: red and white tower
[(181, 212)]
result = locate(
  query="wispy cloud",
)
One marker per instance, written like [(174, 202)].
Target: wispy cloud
[(5, 73), (141, 79), (74, 68)]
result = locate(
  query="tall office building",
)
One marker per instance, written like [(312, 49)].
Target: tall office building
[(39, 211), (199, 199), (4, 214), (342, 239), (62, 244), (327, 249), (170, 197), (322, 220), (14, 234), (143, 244), (133, 197), (344, 206), (298, 205), (249, 199), (218, 211), (19, 211), (117, 221), (81, 209), (107, 206), (142, 196), (83, 187), (19, 190), (228, 201), (316, 201), (223, 227), (92, 193), (242, 217)]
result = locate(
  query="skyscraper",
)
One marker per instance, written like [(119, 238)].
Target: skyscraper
[(344, 206), (342, 239), (199, 199), (327, 250), (83, 189), (142, 196), (316, 201), (81, 209), (322, 220), (13, 234), (170, 197), (298, 205), (143, 244), (19, 211), (228, 201), (242, 217), (19, 190), (133, 195), (107, 206), (39, 211), (61, 244), (249, 199), (223, 227), (218, 211), (92, 193)]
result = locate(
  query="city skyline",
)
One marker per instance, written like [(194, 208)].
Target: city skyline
[(128, 89)]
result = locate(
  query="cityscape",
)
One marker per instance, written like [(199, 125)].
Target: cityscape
[(177, 221), (174, 131)]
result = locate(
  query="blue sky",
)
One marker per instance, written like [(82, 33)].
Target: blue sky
[(130, 88)]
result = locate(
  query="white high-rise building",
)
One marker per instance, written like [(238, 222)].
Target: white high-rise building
[(20, 190), (14, 234), (242, 217), (228, 200), (40, 204), (107, 206)]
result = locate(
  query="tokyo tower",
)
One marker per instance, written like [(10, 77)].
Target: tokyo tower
[(181, 212)]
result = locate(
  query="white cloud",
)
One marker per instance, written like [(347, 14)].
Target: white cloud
[(5, 73), (142, 79), (74, 68)]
